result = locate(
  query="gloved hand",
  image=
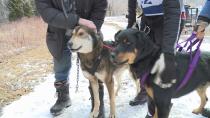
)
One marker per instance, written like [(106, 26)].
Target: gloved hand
[(200, 29)]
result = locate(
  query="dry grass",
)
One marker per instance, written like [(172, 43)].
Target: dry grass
[(15, 37), (20, 73), (24, 58)]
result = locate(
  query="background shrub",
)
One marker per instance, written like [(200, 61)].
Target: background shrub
[(20, 8)]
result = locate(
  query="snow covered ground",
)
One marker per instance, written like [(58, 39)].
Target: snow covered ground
[(37, 103)]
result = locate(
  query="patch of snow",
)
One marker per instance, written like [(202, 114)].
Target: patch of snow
[(120, 21)]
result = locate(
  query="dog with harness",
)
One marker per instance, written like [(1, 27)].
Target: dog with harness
[(146, 59), (94, 55)]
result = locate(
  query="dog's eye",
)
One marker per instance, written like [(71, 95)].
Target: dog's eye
[(81, 33), (125, 41)]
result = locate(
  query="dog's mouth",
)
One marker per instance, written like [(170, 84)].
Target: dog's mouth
[(120, 63), (75, 50)]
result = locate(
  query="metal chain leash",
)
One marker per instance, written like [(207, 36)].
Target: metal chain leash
[(77, 85)]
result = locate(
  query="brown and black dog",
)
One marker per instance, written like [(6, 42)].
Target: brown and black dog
[(96, 65), (137, 49)]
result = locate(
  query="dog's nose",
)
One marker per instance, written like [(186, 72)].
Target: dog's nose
[(70, 44)]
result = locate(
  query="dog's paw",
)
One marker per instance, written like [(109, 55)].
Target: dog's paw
[(197, 111), (112, 116), (93, 114)]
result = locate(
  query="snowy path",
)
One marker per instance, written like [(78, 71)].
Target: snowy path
[(37, 103)]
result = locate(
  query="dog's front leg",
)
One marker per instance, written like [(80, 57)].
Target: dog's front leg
[(95, 88), (110, 87), (202, 93), (118, 79), (152, 108), (138, 88), (136, 81), (162, 98)]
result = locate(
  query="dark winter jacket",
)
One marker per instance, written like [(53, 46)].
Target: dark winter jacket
[(52, 13), (171, 15)]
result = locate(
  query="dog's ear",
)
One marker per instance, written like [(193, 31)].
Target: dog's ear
[(116, 35), (145, 46), (77, 28)]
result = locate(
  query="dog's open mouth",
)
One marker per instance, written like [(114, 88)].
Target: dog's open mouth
[(75, 50), (120, 63)]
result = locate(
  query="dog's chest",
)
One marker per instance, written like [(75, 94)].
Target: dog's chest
[(99, 75)]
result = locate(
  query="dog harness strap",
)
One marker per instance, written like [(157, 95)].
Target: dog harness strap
[(193, 60), (96, 64), (108, 47)]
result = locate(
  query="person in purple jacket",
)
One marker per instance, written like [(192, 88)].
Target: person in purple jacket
[(202, 22)]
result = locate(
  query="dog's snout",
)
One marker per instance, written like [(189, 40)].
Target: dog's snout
[(70, 44)]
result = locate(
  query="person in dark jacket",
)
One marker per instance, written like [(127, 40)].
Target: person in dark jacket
[(162, 17), (202, 22), (62, 16)]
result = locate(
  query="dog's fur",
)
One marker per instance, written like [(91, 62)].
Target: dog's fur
[(135, 48), (89, 47)]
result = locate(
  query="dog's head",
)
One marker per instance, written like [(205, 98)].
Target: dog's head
[(83, 40), (132, 45)]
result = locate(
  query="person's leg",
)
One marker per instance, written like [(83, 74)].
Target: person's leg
[(101, 98), (170, 37), (61, 69), (168, 76), (169, 73)]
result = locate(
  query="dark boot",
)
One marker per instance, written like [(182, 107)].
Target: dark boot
[(206, 112), (63, 100), (140, 99), (101, 97)]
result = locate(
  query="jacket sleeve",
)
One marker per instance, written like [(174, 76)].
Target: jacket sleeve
[(172, 12), (131, 12), (98, 13), (55, 17), (205, 12)]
